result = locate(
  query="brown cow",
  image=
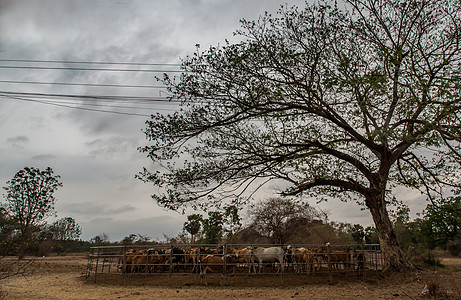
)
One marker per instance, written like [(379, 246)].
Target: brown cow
[(303, 260), (215, 264), (125, 262), (340, 257), (145, 260), (244, 256)]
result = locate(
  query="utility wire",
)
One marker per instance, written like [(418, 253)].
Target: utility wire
[(80, 108), (90, 69), (83, 84), (89, 62), (95, 97)]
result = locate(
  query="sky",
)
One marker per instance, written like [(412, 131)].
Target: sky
[(95, 152)]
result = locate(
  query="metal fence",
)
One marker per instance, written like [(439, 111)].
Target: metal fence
[(166, 260)]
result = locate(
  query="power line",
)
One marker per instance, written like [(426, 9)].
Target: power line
[(58, 104), (89, 62), (83, 84), (75, 107), (90, 69), (95, 97)]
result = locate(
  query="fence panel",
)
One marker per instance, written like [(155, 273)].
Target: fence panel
[(235, 260)]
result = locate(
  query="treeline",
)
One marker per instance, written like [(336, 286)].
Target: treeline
[(29, 201)]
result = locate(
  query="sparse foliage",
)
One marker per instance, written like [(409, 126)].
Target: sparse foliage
[(276, 218), (100, 238), (65, 229), (30, 200)]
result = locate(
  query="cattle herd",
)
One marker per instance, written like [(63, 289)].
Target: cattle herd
[(250, 260)]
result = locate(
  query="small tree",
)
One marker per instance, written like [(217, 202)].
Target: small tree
[(232, 221), (213, 227), (65, 229), (357, 233), (276, 218), (193, 225), (30, 200), (8, 239), (100, 239), (442, 222)]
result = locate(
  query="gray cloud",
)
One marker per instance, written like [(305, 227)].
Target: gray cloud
[(44, 157), (18, 139), (89, 209), (154, 227)]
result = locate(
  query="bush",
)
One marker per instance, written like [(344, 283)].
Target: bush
[(431, 260), (454, 247)]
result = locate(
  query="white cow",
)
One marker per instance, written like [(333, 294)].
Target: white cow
[(268, 255)]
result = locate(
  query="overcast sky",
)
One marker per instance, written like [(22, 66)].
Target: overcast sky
[(95, 153)]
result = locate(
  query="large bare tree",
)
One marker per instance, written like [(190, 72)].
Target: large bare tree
[(342, 100)]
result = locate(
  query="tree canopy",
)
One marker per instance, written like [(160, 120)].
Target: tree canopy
[(343, 101), (65, 229), (278, 218), (30, 200)]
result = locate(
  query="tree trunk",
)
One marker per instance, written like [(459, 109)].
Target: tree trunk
[(393, 257)]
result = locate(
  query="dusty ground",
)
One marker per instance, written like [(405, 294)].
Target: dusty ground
[(64, 278)]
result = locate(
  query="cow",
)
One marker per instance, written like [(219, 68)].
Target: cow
[(244, 256), (358, 260), (303, 259), (125, 262), (215, 264), (191, 258), (340, 257), (144, 260), (268, 255)]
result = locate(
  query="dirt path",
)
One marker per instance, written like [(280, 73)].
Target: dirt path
[(63, 278)]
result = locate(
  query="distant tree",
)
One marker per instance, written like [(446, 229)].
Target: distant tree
[(129, 240), (213, 227), (442, 221), (232, 221), (193, 225), (100, 239), (8, 238), (65, 229), (276, 218), (344, 101), (357, 233), (370, 235), (30, 200)]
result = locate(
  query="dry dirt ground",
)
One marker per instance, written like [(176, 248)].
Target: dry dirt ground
[(63, 277)]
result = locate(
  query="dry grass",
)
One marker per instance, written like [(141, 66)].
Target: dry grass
[(63, 278)]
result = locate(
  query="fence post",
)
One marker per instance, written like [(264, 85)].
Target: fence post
[(89, 264), (123, 263), (329, 263), (224, 269), (282, 267), (96, 267), (171, 264), (363, 262)]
